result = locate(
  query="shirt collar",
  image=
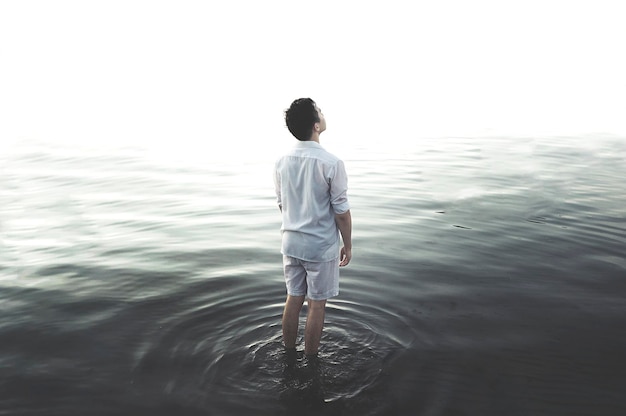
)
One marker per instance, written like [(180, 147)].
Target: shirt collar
[(310, 144)]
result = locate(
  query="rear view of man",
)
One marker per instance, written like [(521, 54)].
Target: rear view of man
[(311, 189)]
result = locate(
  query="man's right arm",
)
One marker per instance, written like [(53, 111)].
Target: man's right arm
[(279, 199), (344, 223)]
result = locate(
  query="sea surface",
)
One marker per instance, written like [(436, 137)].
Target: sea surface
[(488, 278)]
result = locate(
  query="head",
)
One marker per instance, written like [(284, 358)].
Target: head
[(304, 119)]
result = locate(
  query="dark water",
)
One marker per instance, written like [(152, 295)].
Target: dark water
[(488, 278)]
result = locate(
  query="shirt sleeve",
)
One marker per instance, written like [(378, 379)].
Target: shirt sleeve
[(339, 189), (279, 200)]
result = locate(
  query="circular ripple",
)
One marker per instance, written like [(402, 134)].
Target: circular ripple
[(225, 350)]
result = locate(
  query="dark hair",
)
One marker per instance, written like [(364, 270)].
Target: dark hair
[(300, 118)]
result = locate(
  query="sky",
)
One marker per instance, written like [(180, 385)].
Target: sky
[(215, 75)]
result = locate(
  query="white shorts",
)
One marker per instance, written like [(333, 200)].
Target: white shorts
[(316, 280)]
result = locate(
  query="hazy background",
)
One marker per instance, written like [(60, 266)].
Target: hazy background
[(212, 78)]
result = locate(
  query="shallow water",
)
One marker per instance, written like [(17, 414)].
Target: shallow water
[(488, 277)]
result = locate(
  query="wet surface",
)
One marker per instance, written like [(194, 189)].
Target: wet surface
[(488, 278)]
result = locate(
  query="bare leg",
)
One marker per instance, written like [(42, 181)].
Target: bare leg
[(291, 316), (314, 326)]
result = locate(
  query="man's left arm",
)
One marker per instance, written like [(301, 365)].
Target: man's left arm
[(339, 189), (341, 207), (344, 223)]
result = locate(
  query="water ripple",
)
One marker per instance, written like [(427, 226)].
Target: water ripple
[(227, 341)]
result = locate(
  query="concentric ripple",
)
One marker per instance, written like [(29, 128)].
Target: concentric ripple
[(226, 346)]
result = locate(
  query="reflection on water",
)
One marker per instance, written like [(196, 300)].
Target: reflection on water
[(488, 278)]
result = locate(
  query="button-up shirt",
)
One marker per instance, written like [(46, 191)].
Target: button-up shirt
[(311, 187)]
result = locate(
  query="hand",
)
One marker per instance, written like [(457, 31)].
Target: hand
[(345, 256)]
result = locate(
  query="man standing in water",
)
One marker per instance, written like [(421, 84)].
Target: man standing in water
[(311, 189)]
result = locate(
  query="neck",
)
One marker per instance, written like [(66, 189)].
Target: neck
[(315, 137)]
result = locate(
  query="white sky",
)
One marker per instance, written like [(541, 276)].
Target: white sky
[(209, 75)]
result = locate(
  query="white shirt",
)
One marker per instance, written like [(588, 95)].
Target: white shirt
[(311, 187)]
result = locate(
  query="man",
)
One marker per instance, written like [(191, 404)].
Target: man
[(311, 189)]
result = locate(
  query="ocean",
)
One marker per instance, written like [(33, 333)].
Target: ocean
[(488, 278)]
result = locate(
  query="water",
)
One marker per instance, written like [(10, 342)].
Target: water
[(488, 278)]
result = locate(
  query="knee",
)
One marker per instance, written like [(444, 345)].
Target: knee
[(316, 305), (294, 301)]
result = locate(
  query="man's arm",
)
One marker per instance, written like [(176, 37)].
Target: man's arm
[(344, 223), (279, 199)]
